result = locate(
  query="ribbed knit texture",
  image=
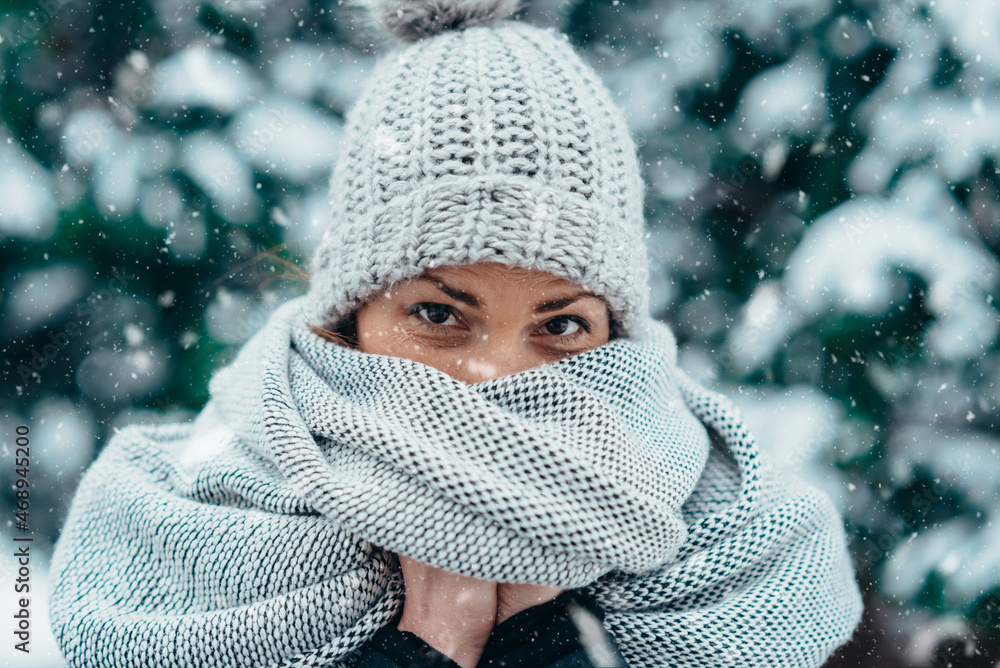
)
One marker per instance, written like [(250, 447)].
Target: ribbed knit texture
[(489, 144), (259, 534)]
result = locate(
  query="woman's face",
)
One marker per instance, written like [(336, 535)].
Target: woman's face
[(483, 321)]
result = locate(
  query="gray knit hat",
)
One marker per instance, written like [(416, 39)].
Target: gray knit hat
[(479, 139)]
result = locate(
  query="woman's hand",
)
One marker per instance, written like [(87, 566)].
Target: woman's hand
[(455, 614), (452, 613), (513, 598)]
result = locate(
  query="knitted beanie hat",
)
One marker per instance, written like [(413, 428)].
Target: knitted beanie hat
[(479, 139)]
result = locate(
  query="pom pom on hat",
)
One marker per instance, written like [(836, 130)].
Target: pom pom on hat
[(412, 20)]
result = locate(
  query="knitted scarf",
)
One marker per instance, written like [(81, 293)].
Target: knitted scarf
[(263, 533)]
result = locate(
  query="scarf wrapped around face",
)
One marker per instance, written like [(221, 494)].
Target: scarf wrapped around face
[(263, 533)]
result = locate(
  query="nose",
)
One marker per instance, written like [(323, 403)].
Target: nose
[(498, 357)]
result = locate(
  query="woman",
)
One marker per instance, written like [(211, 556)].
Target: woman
[(468, 443), (476, 323)]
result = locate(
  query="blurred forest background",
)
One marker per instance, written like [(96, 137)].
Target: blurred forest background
[(823, 208)]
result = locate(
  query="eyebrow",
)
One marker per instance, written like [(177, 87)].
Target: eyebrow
[(457, 295), (471, 300), (557, 304)]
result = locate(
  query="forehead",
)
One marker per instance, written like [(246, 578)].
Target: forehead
[(492, 274), (500, 287)]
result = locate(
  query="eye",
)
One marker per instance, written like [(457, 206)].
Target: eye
[(566, 326), (434, 314)]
